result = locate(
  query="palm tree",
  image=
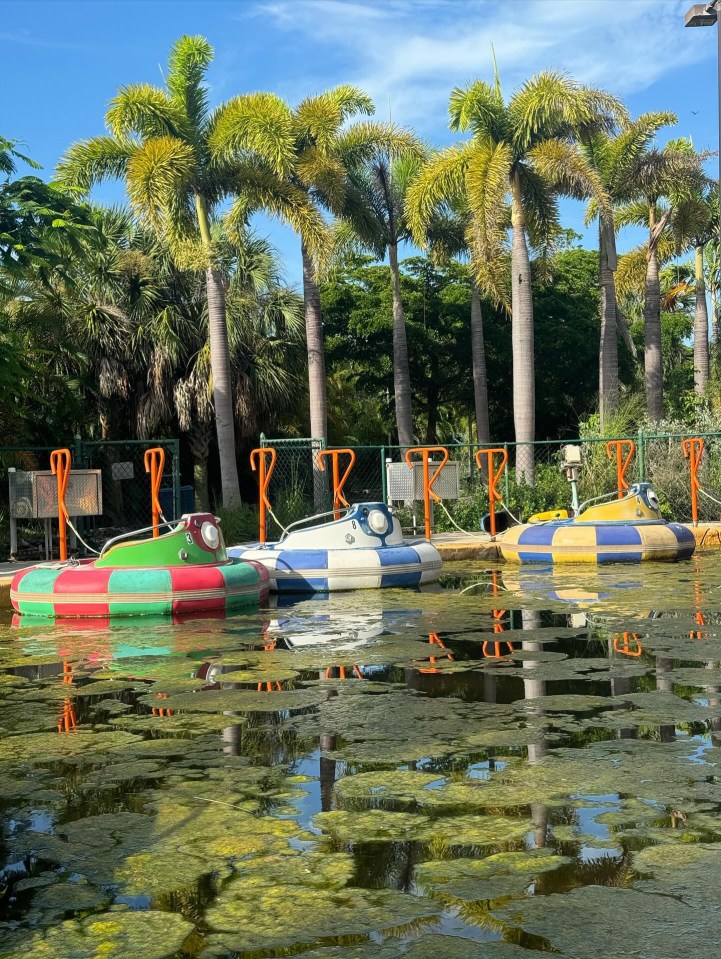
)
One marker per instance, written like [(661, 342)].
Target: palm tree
[(449, 234), (524, 148), (694, 224), (264, 324), (375, 211), (159, 144), (317, 147), (663, 178), (614, 158)]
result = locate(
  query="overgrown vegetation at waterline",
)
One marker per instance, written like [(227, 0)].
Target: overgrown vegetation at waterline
[(171, 316)]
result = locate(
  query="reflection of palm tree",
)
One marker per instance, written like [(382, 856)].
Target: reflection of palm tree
[(533, 688), (667, 732)]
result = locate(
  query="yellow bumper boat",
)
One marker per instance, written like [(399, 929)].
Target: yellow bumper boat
[(627, 530)]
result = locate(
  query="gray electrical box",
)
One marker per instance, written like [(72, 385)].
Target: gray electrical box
[(34, 494), (405, 484)]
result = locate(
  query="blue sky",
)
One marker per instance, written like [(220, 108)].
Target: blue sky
[(66, 60)]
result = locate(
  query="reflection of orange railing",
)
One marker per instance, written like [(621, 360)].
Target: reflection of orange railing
[(60, 467), (493, 477), (338, 480), (68, 718), (693, 451), (428, 480), (155, 464), (342, 674), (627, 643), (621, 463), (435, 640), (492, 648), (699, 616), (257, 461)]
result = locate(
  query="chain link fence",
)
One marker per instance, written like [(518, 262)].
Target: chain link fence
[(124, 491), (657, 458)]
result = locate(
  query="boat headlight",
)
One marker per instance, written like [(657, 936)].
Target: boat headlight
[(210, 534), (653, 501), (377, 521)]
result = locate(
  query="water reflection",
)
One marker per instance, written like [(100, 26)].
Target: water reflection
[(412, 744)]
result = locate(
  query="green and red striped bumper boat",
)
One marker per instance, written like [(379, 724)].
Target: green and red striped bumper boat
[(184, 572)]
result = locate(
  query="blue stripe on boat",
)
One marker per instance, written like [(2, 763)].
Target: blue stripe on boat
[(290, 559), (538, 536), (618, 536), (397, 555)]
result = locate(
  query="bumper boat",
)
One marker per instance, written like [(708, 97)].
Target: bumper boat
[(185, 571), (364, 549), (627, 530)]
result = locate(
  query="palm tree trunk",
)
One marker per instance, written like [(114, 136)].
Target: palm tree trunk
[(480, 378), (608, 359), (401, 370), (524, 385), (700, 327), (316, 350), (652, 326), (220, 366)]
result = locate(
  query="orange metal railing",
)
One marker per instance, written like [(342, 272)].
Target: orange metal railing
[(693, 452), (257, 461), (493, 477), (428, 480), (339, 499), (627, 643), (621, 463), (155, 464), (60, 467)]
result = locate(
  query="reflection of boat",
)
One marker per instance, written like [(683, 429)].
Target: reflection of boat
[(184, 571), (364, 549), (627, 530), (537, 582)]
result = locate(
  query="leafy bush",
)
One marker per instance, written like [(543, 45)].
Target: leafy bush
[(238, 523)]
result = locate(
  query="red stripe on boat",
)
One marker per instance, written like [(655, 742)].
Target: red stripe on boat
[(192, 578), (81, 580)]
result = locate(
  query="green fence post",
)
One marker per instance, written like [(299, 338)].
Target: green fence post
[(175, 444), (641, 456), (78, 450), (384, 477)]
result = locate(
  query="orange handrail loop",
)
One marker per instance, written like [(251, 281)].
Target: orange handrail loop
[(60, 467), (428, 480), (693, 451), (492, 649), (155, 464), (627, 643), (338, 480), (493, 477), (621, 463), (257, 461)]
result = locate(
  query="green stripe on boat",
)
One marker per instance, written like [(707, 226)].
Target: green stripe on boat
[(139, 581)]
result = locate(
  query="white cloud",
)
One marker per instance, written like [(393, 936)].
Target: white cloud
[(414, 52)]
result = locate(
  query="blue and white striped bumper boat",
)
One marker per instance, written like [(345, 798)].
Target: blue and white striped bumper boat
[(364, 549)]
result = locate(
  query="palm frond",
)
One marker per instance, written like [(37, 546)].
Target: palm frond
[(318, 119), (8, 156), (441, 179), (552, 105), (480, 109), (145, 111), (487, 179), (91, 161), (261, 189), (159, 176), (567, 171), (257, 123), (189, 60), (360, 142)]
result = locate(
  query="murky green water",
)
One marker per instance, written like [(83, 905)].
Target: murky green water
[(512, 762)]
